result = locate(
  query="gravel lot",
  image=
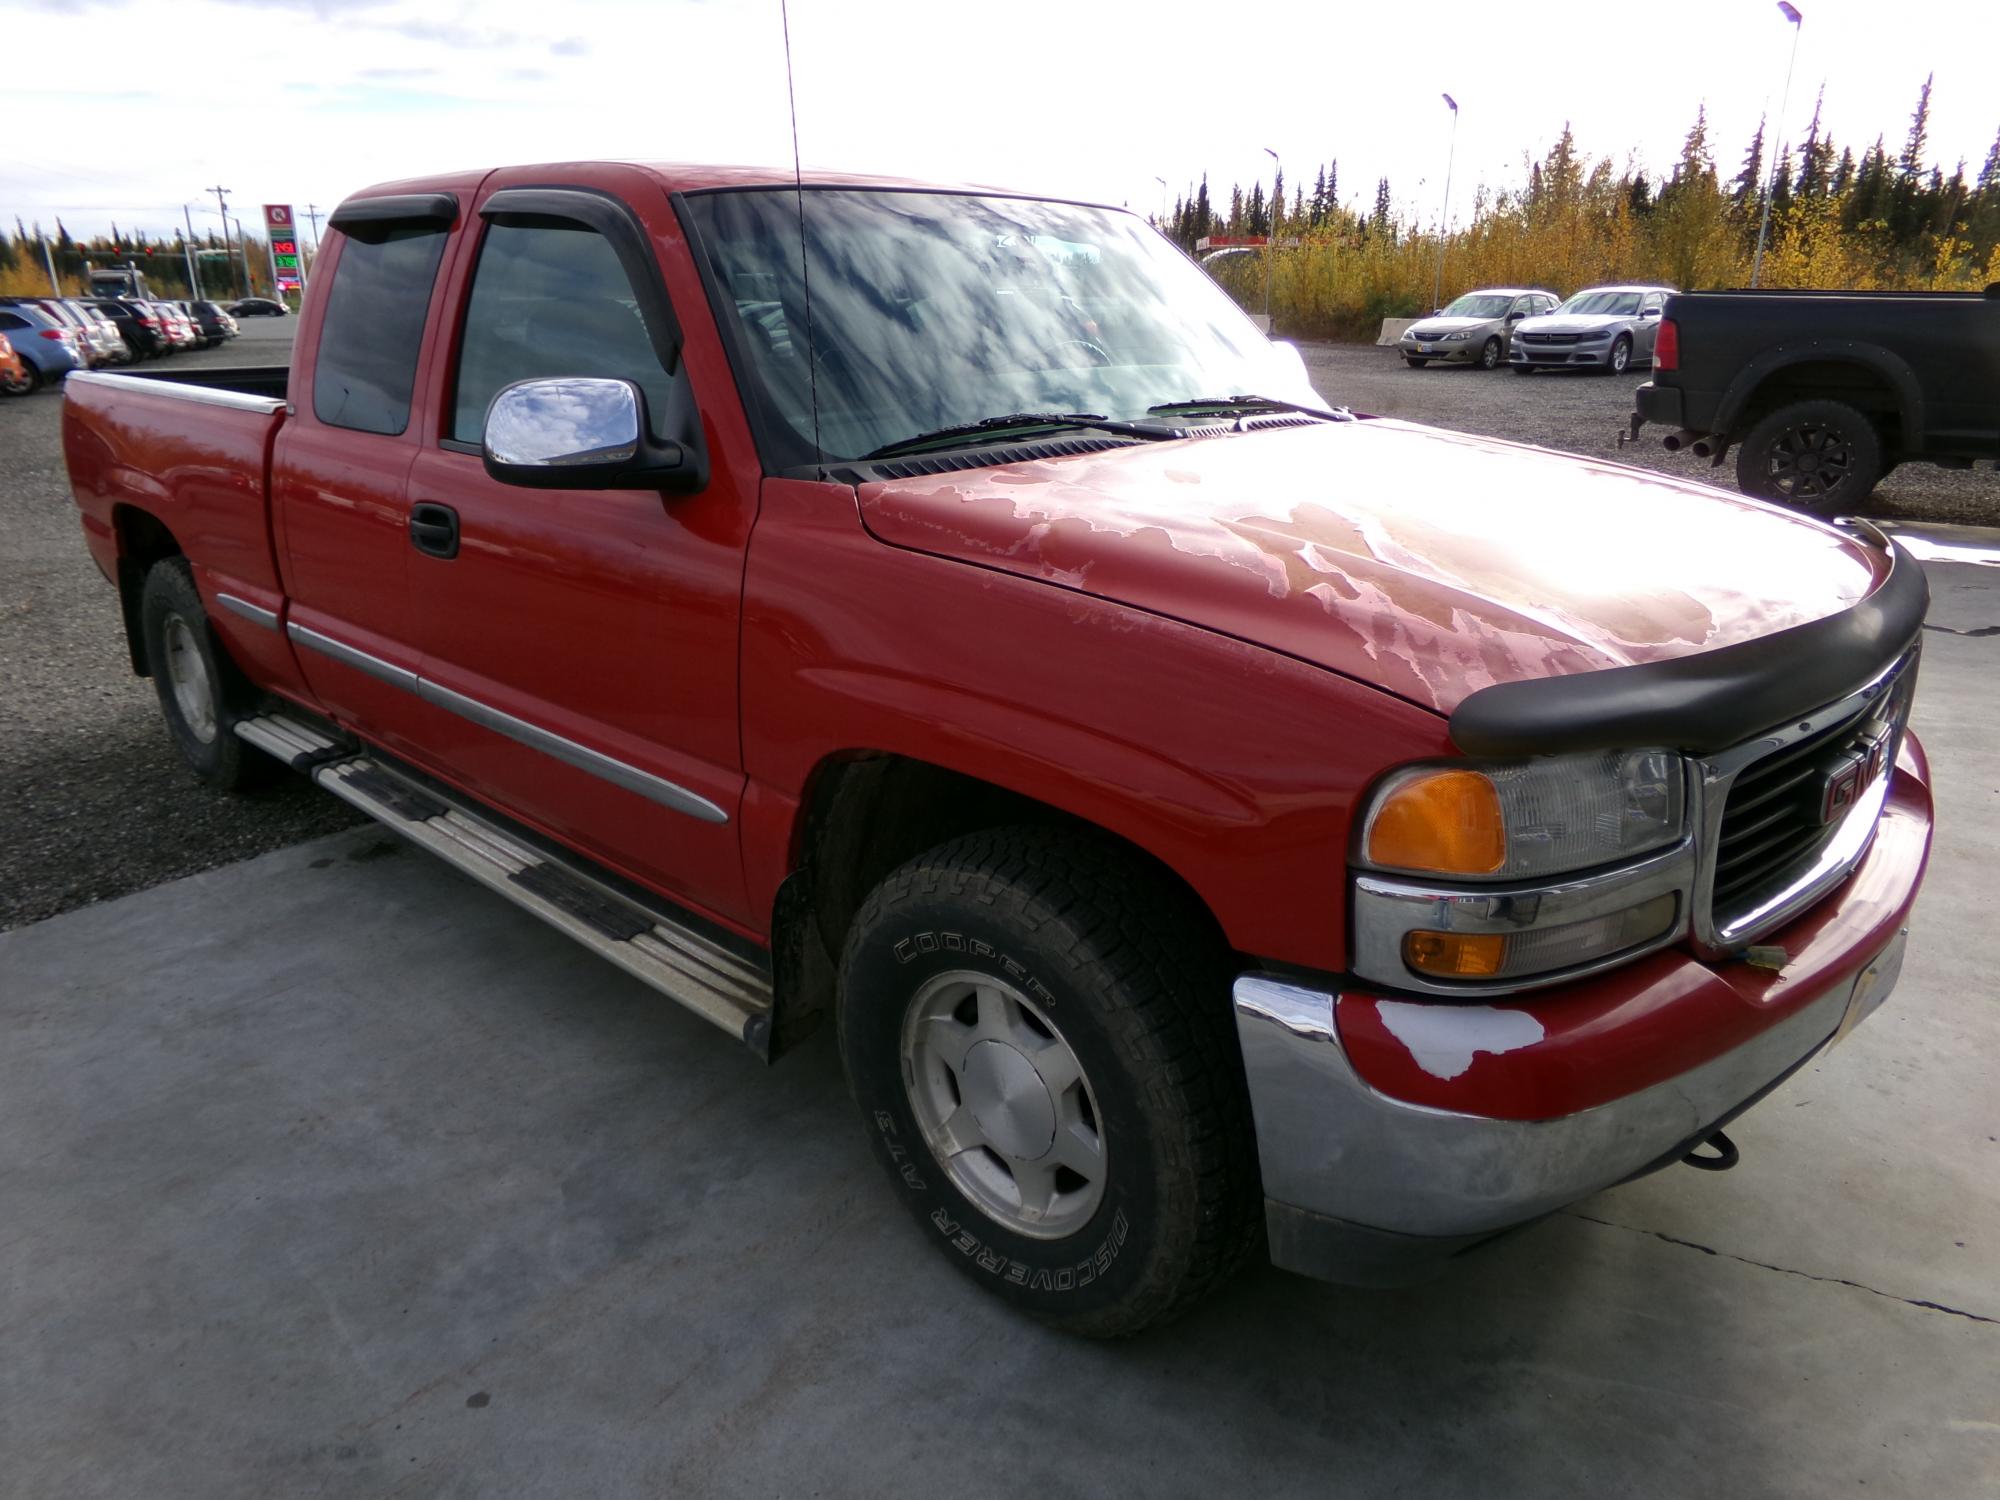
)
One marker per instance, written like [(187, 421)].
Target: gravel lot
[(93, 798), (1584, 412), (96, 804)]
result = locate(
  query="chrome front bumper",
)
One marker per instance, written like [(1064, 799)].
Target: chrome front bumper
[(1366, 1189)]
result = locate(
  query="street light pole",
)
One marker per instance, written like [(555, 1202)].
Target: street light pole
[(1791, 14), (1270, 237), (1444, 209)]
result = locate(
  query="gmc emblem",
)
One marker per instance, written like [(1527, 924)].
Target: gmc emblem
[(1846, 782)]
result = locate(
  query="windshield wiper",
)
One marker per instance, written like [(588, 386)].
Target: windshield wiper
[(988, 426), (1253, 403)]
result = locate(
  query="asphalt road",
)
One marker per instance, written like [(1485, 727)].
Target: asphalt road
[(96, 804)]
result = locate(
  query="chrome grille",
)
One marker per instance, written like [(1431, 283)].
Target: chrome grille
[(1770, 843)]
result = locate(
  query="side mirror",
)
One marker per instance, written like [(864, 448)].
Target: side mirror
[(576, 432), (1651, 312), (1516, 315)]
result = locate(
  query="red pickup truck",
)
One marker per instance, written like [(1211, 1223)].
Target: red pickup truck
[(1204, 816)]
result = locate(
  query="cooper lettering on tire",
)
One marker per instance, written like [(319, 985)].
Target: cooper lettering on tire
[(1036, 1025)]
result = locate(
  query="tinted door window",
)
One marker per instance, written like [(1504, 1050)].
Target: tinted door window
[(550, 298), (374, 326), (13, 321)]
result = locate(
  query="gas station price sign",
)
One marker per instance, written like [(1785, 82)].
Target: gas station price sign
[(281, 227)]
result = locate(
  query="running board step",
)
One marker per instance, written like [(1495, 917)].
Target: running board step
[(295, 742), (709, 979)]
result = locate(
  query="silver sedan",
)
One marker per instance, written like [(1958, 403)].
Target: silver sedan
[(1474, 329), (1604, 327)]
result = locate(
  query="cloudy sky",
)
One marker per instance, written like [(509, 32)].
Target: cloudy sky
[(307, 100)]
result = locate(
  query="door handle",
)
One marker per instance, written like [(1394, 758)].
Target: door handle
[(434, 529)]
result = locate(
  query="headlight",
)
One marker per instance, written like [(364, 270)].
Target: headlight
[(1455, 338), (1523, 819), (1477, 878)]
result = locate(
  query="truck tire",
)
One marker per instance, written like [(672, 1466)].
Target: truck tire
[(1489, 354), (1039, 1037), (195, 681), (1817, 456)]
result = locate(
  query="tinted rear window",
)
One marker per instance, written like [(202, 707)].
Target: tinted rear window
[(374, 324)]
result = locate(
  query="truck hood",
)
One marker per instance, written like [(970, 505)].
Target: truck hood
[(1427, 563)]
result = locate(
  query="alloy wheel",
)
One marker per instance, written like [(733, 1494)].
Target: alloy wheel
[(1004, 1104)]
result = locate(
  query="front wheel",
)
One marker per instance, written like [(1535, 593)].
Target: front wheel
[(1413, 362), (1621, 355), (24, 384), (1817, 456), (1036, 1029), (1522, 369), (1489, 354)]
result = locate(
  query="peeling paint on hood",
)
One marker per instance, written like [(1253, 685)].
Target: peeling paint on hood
[(1431, 564)]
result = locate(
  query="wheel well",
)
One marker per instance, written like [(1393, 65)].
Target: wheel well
[(143, 540), (864, 815), (1860, 386)]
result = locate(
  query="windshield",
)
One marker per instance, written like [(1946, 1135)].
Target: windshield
[(1603, 304), (932, 309), (1479, 305)]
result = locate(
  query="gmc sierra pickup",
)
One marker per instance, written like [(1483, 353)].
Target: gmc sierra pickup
[(940, 613), (1823, 393)]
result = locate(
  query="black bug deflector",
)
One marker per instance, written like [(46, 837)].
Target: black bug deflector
[(1713, 699)]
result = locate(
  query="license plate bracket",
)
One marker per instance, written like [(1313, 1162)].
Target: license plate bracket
[(1872, 985)]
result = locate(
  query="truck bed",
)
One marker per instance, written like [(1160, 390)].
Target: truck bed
[(265, 382)]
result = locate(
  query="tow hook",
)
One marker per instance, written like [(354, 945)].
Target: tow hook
[(1726, 1154)]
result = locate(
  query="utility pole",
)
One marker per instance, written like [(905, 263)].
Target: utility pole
[(48, 260), (222, 211), (306, 263), (187, 247), (1794, 19), (242, 253), (1444, 209)]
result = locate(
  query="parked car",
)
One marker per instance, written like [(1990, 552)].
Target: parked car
[(259, 307), (137, 324), (1475, 329), (101, 330), (1606, 328), (1191, 816), (1823, 393), (49, 346), (180, 332), (85, 337), (17, 376), (213, 324)]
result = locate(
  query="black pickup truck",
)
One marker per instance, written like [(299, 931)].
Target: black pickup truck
[(1823, 393)]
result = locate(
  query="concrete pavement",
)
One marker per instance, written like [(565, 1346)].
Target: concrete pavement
[(328, 1173)]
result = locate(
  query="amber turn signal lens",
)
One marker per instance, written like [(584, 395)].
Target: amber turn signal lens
[(1448, 821), (1455, 955)]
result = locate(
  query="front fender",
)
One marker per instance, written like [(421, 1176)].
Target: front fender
[(1234, 766)]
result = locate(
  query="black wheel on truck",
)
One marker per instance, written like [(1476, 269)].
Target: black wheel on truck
[(1037, 1029), (1816, 456), (197, 684)]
